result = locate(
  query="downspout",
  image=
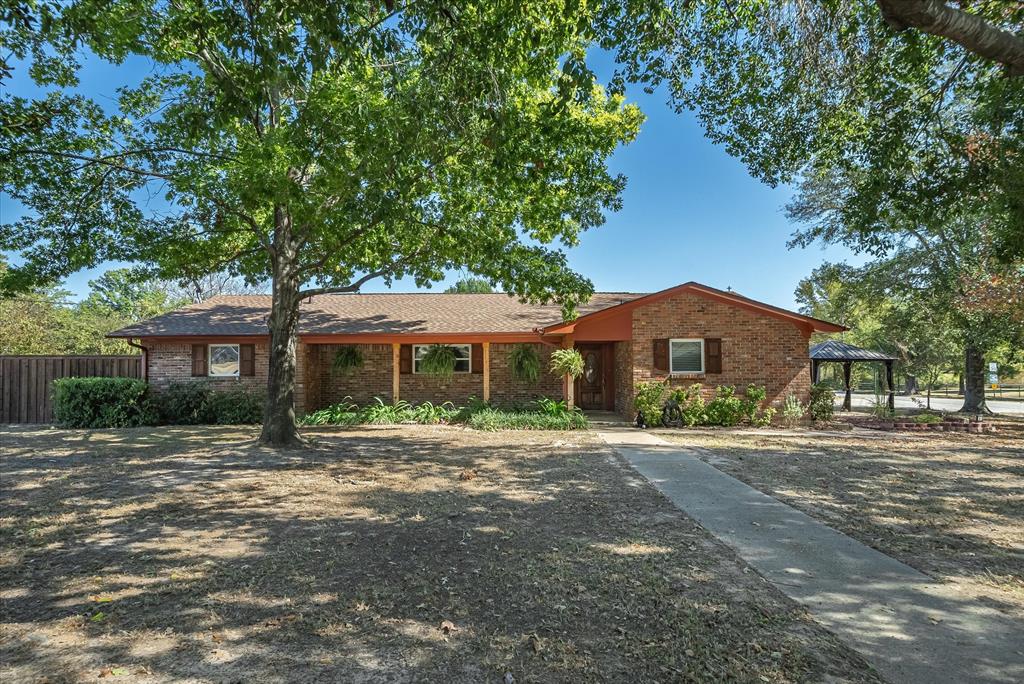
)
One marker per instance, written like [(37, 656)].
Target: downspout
[(145, 359)]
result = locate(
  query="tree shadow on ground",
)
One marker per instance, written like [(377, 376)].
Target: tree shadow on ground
[(405, 554)]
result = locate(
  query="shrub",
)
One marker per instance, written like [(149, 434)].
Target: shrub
[(649, 400), (491, 419), (792, 410), (524, 363), (764, 419), (691, 404), (234, 407), (429, 414), (379, 413), (439, 361), (196, 403), (102, 403), (552, 407), (183, 403), (725, 409), (567, 362), (822, 403), (346, 360), (927, 418), (342, 413)]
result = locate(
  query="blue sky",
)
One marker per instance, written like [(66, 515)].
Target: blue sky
[(690, 212)]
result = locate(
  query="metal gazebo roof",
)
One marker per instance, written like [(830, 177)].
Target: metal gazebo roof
[(834, 350)]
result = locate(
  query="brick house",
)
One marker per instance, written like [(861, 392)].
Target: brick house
[(689, 333)]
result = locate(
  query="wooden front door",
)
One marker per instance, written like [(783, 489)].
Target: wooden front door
[(594, 389)]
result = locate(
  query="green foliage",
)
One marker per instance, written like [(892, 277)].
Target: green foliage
[(238, 406), (726, 409), (101, 403), (553, 407), (438, 361), (754, 396), (491, 419), (524, 363), (347, 360), (792, 410), (649, 400), (821, 406), (567, 362), (197, 403), (342, 413), (765, 417), (927, 418), (470, 285), (691, 404), (381, 413), (426, 413)]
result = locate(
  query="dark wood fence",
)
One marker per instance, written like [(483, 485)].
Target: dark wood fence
[(26, 382)]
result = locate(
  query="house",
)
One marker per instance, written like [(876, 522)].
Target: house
[(688, 333)]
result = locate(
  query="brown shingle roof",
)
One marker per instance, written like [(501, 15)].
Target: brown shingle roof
[(361, 314)]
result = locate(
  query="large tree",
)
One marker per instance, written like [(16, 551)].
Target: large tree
[(903, 121), (320, 145)]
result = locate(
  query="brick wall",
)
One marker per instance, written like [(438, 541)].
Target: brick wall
[(623, 355), (417, 387), (172, 362), (506, 391), (755, 348), (362, 385)]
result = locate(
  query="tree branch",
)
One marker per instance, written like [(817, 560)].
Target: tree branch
[(968, 30)]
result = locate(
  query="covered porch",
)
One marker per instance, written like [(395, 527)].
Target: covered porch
[(834, 351)]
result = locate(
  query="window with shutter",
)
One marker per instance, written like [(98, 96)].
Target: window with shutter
[(686, 356)]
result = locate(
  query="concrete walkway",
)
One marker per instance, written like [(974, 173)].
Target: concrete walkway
[(910, 627)]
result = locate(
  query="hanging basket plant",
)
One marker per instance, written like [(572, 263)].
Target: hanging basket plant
[(439, 361), (524, 363), (567, 362), (347, 360)]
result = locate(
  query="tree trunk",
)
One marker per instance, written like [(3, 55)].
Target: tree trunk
[(279, 427), (974, 381), (911, 385)]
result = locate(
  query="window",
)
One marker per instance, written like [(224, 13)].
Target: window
[(462, 356), (224, 360), (686, 356)]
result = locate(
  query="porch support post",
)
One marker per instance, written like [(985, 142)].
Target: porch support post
[(889, 382), (570, 384), (487, 371), (815, 369), (396, 351), (847, 401)]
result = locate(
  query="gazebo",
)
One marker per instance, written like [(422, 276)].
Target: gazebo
[(846, 354)]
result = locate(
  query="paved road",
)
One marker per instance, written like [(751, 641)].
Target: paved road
[(913, 629), (940, 404)]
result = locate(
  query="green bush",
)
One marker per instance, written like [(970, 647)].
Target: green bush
[(183, 403), (792, 410), (691, 404), (725, 409), (342, 413), (234, 407), (102, 403), (822, 403), (927, 418), (196, 403), (649, 400), (491, 419)]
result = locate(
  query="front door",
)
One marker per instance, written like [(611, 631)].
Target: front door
[(592, 388)]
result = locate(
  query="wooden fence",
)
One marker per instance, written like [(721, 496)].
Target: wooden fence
[(26, 382)]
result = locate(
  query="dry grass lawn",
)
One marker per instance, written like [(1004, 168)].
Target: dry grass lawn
[(390, 554), (948, 504)]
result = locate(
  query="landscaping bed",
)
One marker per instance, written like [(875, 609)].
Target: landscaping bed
[(950, 505), (416, 553)]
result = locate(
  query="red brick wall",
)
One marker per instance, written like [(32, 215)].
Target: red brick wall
[(505, 391), (362, 385), (172, 362), (755, 348), (623, 354)]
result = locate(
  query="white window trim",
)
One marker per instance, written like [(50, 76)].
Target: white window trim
[(209, 361), (469, 357), (671, 370)]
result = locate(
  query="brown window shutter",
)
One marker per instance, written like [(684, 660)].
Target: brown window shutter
[(247, 359), (713, 355), (199, 367), (661, 355), (405, 359), (476, 358)]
